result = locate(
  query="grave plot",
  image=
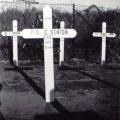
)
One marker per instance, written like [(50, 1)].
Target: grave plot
[(75, 93), (78, 95), (16, 93)]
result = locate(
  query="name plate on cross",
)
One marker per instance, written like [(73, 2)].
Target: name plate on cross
[(44, 33)]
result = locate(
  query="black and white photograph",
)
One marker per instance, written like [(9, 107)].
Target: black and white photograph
[(59, 60)]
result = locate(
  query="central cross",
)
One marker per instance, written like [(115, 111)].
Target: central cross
[(48, 33)]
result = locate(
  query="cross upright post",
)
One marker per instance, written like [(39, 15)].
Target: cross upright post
[(15, 43), (61, 55), (104, 35), (15, 33), (48, 54)]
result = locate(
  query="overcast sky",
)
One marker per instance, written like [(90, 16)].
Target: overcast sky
[(100, 3)]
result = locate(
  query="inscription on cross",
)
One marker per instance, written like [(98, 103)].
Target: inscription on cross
[(104, 35)]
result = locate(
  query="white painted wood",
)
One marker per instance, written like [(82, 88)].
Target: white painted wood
[(97, 34), (15, 33), (61, 55), (32, 33), (15, 43), (7, 33), (64, 33), (104, 35), (48, 54), (55, 33), (103, 44)]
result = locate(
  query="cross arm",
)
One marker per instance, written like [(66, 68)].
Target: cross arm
[(10, 33), (98, 34), (44, 33), (32, 33), (110, 35), (7, 33), (63, 33)]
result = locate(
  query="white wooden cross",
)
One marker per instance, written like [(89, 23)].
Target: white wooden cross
[(61, 55), (104, 35), (48, 33), (15, 33)]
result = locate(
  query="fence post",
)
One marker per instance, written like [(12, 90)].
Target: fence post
[(73, 25)]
